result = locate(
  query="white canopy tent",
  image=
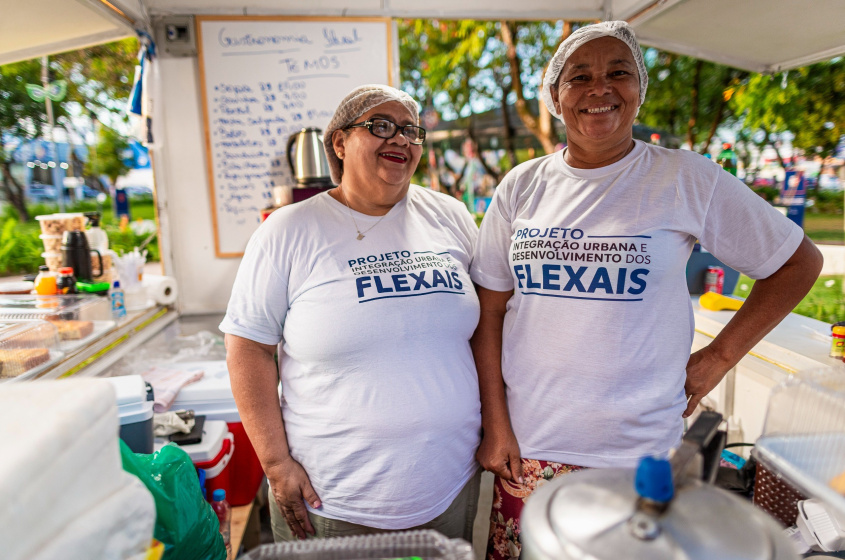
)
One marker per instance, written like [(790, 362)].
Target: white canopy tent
[(758, 35)]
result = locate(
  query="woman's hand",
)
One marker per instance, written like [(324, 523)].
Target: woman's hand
[(290, 485), (704, 371), (499, 454)]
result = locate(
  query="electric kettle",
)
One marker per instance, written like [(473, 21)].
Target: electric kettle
[(308, 163), (666, 509)]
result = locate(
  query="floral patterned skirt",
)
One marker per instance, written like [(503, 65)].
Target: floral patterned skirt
[(508, 500)]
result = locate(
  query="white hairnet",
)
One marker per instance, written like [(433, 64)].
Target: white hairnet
[(617, 29), (359, 101)]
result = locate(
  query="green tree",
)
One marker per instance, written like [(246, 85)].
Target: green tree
[(440, 67), (529, 46), (809, 102), (21, 117), (688, 97), (106, 156), (462, 67), (99, 82), (99, 78)]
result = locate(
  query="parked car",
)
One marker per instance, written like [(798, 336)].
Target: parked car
[(88, 192), (38, 192)]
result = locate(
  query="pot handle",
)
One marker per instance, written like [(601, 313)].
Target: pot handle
[(99, 258), (703, 438)]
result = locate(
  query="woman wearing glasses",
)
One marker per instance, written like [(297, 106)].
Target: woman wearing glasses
[(366, 289)]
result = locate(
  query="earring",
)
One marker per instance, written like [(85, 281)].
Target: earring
[(340, 155)]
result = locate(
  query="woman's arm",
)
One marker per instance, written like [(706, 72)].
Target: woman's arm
[(499, 450), (252, 370), (771, 299)]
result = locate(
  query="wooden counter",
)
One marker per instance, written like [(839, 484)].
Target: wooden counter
[(245, 528)]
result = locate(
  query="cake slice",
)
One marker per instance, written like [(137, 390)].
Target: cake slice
[(14, 362), (73, 330)]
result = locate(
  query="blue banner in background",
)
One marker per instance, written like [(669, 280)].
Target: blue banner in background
[(793, 195)]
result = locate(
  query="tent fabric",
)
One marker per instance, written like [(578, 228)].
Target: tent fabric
[(756, 35)]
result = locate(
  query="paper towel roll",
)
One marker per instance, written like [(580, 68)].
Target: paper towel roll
[(161, 289)]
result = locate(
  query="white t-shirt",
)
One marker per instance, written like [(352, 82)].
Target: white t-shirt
[(379, 388), (599, 330)]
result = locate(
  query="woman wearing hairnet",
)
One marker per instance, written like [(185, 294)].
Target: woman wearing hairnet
[(366, 289), (583, 347)]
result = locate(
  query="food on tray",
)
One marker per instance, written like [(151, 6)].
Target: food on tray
[(838, 483), (73, 330), (57, 224), (52, 243), (35, 338), (52, 260), (14, 362)]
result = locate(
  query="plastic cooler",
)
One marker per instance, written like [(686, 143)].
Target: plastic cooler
[(214, 455), (212, 397), (135, 412)]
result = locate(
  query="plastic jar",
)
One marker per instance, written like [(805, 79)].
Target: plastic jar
[(837, 343)]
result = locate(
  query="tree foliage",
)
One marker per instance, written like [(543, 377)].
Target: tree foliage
[(21, 117), (100, 77), (461, 68), (809, 102), (99, 83), (106, 157), (688, 97)]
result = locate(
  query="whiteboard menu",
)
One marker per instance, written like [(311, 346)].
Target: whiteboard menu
[(263, 79)]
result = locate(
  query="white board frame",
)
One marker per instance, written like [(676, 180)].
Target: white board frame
[(221, 249)]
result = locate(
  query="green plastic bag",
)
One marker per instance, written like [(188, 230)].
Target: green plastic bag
[(185, 522)]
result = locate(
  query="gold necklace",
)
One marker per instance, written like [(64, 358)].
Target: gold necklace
[(348, 209)]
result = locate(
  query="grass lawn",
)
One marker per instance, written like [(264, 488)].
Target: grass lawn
[(824, 227), (825, 301)]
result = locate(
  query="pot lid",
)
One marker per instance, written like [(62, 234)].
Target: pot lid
[(593, 514)]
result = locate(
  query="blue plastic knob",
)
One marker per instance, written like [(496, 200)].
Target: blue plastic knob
[(653, 480)]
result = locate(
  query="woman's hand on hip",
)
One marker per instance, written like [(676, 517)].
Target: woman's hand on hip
[(704, 371), (291, 488), (499, 454)]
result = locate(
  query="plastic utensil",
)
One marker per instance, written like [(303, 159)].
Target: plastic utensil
[(718, 302)]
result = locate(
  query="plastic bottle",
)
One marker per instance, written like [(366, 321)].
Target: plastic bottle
[(45, 282), (727, 158), (66, 282), (118, 307), (97, 238), (224, 513)]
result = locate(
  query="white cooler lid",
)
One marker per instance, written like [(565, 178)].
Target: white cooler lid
[(131, 398), (213, 387), (135, 413), (213, 433), (130, 389)]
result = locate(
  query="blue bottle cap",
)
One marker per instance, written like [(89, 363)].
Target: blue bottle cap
[(653, 480), (218, 495)]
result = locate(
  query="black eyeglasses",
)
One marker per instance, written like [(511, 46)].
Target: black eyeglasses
[(384, 128)]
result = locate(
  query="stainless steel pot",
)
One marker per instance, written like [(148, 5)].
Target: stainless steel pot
[(308, 163), (613, 514)]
